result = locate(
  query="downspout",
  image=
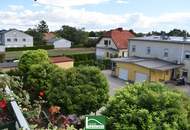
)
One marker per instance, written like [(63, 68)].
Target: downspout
[(128, 48)]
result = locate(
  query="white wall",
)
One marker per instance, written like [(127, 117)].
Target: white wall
[(19, 36), (157, 50), (101, 43), (62, 43)]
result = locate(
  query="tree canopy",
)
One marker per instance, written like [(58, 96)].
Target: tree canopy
[(42, 27), (148, 106)]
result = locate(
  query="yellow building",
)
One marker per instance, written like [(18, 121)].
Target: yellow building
[(141, 69), (62, 62)]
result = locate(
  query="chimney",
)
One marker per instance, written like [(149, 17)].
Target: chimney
[(120, 29)]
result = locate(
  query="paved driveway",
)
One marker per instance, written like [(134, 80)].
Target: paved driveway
[(114, 83)]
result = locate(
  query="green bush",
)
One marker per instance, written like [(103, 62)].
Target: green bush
[(2, 57), (148, 106), (82, 57), (45, 47)]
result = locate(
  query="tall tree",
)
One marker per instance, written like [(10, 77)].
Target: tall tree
[(42, 27), (37, 36)]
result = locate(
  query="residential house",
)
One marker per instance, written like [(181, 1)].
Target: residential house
[(60, 43), (113, 43), (14, 38), (163, 57), (62, 62), (48, 36)]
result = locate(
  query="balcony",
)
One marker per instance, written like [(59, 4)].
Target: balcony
[(11, 116)]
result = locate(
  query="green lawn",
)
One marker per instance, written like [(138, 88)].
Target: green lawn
[(54, 52)]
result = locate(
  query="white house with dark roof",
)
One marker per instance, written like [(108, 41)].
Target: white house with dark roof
[(170, 49), (14, 38)]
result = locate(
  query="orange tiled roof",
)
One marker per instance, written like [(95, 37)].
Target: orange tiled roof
[(120, 37), (60, 59)]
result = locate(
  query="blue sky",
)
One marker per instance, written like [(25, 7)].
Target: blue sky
[(140, 15)]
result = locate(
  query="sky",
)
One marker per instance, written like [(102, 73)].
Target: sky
[(139, 15)]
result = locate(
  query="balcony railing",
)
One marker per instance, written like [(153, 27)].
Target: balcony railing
[(20, 121)]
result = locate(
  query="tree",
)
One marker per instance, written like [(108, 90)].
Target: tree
[(79, 90), (78, 36), (37, 36), (148, 106), (42, 27), (92, 34), (178, 32)]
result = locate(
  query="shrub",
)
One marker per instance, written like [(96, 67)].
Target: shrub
[(148, 106), (79, 91), (45, 47), (2, 57)]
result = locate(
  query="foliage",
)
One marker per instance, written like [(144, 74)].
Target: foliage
[(30, 58), (37, 36), (82, 57), (77, 36), (79, 90), (2, 57), (148, 106), (45, 47), (42, 27)]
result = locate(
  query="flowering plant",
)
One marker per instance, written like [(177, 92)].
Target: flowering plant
[(3, 103)]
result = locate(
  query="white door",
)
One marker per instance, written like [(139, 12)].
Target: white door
[(123, 74), (141, 77)]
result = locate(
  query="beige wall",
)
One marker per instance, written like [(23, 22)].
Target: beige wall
[(65, 65)]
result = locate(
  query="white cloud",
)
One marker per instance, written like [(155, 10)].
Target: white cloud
[(22, 18), (69, 3), (122, 1)]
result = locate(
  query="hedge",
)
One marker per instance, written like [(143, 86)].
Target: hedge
[(102, 64), (45, 47), (82, 57)]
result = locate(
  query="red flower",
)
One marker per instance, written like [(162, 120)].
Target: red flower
[(41, 93), (3, 104)]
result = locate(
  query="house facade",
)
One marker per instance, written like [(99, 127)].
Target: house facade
[(62, 62), (113, 43), (60, 43), (15, 38), (172, 49), (169, 55)]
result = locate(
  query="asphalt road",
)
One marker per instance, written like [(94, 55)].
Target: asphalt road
[(114, 83)]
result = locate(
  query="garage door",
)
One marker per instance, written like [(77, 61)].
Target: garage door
[(141, 77), (123, 74)]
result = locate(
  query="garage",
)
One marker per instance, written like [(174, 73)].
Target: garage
[(140, 77), (123, 74)]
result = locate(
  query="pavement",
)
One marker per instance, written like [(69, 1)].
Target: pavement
[(114, 83)]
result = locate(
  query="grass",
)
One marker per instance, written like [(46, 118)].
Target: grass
[(54, 52)]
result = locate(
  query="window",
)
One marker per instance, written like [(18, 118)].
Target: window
[(106, 42), (15, 39), (148, 51), (133, 48), (185, 74), (23, 39), (123, 54), (109, 42), (187, 55), (165, 52), (8, 40)]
